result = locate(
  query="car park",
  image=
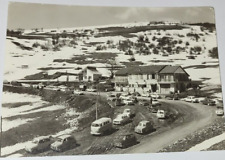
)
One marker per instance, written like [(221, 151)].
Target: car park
[(63, 143), (161, 114), (144, 127), (126, 140), (39, 144), (121, 119)]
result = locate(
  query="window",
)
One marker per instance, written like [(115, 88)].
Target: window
[(153, 76)]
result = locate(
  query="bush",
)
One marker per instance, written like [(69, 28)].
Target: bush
[(35, 45), (213, 52)]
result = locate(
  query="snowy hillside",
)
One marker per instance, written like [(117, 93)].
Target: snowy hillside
[(130, 44)]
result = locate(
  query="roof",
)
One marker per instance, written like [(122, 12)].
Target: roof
[(103, 119), (140, 70), (172, 69)]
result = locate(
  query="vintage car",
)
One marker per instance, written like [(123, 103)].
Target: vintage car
[(128, 101), (155, 96), (121, 119), (192, 99), (129, 112), (39, 144), (155, 102), (124, 141), (91, 90), (101, 126), (63, 143), (219, 111), (208, 101), (144, 127), (77, 92), (161, 114)]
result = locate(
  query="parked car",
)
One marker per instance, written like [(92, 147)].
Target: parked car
[(155, 102), (161, 114), (219, 111), (128, 102), (91, 90), (155, 96), (144, 103), (144, 127), (125, 96), (124, 141), (63, 143), (129, 112), (77, 92), (121, 119), (208, 101), (145, 95), (109, 89), (192, 99), (136, 94), (100, 126), (39, 144)]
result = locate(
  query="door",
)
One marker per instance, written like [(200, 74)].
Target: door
[(165, 88)]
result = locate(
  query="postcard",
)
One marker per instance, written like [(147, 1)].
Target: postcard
[(90, 80)]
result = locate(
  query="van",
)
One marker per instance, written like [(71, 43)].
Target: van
[(100, 126)]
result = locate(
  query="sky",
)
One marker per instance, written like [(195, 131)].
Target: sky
[(31, 15)]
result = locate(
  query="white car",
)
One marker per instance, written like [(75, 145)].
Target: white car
[(63, 142), (121, 119), (192, 99), (155, 102), (39, 144), (145, 95), (155, 96), (219, 111), (77, 92), (125, 96), (128, 112), (161, 114), (91, 90), (128, 102)]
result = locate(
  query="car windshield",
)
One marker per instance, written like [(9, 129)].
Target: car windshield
[(95, 125)]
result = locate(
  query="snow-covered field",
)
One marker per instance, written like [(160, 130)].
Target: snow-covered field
[(35, 106), (15, 57)]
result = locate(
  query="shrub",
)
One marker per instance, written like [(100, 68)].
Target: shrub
[(35, 45), (213, 52)]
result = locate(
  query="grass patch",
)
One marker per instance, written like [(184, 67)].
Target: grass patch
[(102, 57), (15, 105)]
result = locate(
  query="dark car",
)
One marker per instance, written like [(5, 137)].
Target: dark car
[(124, 141), (208, 101), (63, 143)]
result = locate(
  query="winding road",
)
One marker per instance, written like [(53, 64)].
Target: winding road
[(197, 116)]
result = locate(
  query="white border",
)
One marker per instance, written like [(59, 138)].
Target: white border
[(220, 23)]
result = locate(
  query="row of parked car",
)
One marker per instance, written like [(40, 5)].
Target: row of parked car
[(45, 143), (206, 101)]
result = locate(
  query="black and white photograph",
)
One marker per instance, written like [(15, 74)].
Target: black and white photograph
[(100, 80)]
